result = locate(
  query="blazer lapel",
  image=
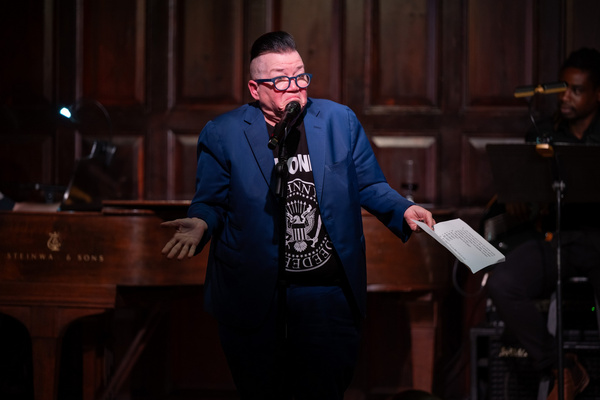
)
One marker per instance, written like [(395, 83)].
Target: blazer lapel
[(316, 139), (256, 134)]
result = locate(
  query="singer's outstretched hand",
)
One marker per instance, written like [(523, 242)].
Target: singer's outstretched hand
[(420, 214), (189, 232)]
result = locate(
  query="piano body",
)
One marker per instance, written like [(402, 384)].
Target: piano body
[(58, 267)]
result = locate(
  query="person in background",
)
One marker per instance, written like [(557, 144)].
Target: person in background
[(319, 296), (530, 271)]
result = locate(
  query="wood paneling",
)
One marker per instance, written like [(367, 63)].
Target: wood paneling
[(582, 29), (185, 62), (18, 173), (129, 160), (113, 51), (182, 162), (393, 151), (403, 59), (500, 40), (22, 51), (316, 26), (209, 57)]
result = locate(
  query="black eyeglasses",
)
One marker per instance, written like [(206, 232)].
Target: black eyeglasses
[(283, 82)]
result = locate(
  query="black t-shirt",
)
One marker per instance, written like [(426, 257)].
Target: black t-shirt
[(310, 257), (557, 130)]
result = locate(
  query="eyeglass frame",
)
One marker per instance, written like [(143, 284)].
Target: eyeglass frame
[(290, 78)]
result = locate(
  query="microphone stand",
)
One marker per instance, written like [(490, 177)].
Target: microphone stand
[(559, 187), (282, 174), (545, 149)]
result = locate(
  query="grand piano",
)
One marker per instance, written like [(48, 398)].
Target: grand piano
[(59, 267)]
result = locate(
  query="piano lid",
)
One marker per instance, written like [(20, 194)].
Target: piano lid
[(93, 180)]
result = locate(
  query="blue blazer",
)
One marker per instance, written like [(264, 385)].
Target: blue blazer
[(235, 196)]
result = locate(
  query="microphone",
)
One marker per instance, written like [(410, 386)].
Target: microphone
[(290, 115), (544, 88)]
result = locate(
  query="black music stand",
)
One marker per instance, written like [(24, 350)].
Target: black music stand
[(529, 173)]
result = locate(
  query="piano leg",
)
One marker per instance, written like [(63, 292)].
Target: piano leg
[(46, 326), (46, 310), (45, 367)]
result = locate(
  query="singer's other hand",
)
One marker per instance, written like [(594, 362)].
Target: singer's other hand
[(188, 233), (420, 214)]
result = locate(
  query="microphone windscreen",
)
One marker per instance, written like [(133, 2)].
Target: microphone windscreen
[(292, 108)]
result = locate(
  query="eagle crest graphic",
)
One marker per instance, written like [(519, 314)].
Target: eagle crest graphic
[(301, 226)]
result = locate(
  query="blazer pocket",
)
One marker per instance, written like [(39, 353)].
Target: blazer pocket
[(227, 255)]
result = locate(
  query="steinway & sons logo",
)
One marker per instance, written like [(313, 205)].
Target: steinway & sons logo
[(54, 244)]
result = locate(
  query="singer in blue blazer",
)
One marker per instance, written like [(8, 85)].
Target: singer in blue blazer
[(236, 207)]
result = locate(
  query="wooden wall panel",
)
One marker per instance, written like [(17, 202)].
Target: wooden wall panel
[(181, 163), (26, 124), (393, 151), (22, 51), (582, 28), (316, 28), (500, 40), (25, 160), (403, 61), (354, 55), (129, 159), (113, 51), (381, 57), (209, 69)]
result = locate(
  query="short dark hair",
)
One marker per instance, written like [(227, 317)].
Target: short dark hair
[(272, 42), (586, 59)]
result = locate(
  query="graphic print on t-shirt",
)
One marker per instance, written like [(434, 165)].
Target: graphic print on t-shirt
[(310, 257), (307, 244)]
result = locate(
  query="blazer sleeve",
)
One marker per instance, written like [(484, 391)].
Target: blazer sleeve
[(376, 195), (212, 183)]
